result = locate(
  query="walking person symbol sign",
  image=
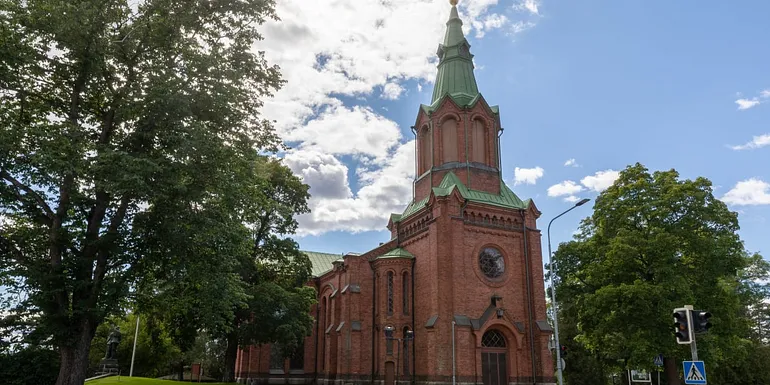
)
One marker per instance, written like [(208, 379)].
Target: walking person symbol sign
[(694, 372)]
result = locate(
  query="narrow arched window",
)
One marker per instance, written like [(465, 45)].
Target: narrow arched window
[(449, 140), (478, 141), (405, 291), (390, 293), (424, 155)]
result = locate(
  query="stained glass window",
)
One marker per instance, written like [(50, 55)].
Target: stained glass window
[(492, 263)]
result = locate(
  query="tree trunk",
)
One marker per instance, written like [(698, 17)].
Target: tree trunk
[(671, 371), (74, 358), (230, 356)]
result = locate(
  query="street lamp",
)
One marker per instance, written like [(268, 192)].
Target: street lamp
[(408, 336), (553, 292)]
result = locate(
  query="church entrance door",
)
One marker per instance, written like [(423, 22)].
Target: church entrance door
[(390, 373), (494, 366)]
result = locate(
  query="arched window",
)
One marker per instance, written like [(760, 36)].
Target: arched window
[(424, 153), (449, 140), (493, 339), (405, 291), (324, 325), (478, 140), (390, 293)]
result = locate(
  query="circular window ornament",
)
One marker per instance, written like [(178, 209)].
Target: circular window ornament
[(491, 263)]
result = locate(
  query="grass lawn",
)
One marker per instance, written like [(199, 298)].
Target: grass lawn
[(123, 380)]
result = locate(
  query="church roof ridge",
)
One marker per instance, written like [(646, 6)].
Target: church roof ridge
[(506, 199)]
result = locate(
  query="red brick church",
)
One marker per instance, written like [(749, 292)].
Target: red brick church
[(459, 286)]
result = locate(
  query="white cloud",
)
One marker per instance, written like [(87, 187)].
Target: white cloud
[(567, 187), (572, 199), (601, 180), (326, 175), (333, 51), (521, 26), (530, 6), (745, 104), (385, 190), (756, 142), (749, 192), (571, 163), (340, 130), (392, 91), (527, 175)]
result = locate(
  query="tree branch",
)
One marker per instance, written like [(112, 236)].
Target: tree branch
[(29, 191), (104, 249)]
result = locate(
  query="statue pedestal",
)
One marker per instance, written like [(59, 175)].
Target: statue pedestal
[(108, 365)]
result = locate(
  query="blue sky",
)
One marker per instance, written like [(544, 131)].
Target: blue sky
[(670, 84)]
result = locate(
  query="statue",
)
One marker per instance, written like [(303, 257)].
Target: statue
[(113, 340)]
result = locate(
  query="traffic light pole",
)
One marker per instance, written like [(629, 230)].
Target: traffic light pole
[(693, 345)]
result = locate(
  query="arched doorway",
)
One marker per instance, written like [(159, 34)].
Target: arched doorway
[(494, 365)]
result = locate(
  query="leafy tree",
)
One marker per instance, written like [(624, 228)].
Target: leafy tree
[(110, 109), (654, 243)]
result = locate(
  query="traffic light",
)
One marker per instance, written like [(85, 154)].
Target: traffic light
[(563, 351), (682, 328), (700, 321)]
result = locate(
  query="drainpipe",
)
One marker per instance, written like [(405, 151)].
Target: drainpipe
[(374, 303), (317, 327), (529, 297), (414, 359), (453, 354)]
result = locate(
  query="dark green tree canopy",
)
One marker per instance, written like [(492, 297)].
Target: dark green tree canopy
[(115, 116), (654, 242)]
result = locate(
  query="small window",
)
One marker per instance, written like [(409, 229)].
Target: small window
[(405, 291), (390, 293)]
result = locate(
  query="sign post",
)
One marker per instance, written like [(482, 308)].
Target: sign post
[(658, 361)]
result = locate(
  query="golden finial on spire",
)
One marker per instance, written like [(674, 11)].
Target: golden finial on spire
[(453, 2)]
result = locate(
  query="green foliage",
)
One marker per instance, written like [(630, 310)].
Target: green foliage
[(115, 117), (155, 351), (655, 243), (29, 366)]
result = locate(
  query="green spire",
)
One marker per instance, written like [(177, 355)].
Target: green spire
[(455, 69)]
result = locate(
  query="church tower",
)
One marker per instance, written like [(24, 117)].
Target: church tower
[(478, 277)]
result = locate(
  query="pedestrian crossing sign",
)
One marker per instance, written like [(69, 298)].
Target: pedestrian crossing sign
[(694, 372)]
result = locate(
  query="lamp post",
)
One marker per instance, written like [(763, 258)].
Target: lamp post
[(553, 293), (409, 335)]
